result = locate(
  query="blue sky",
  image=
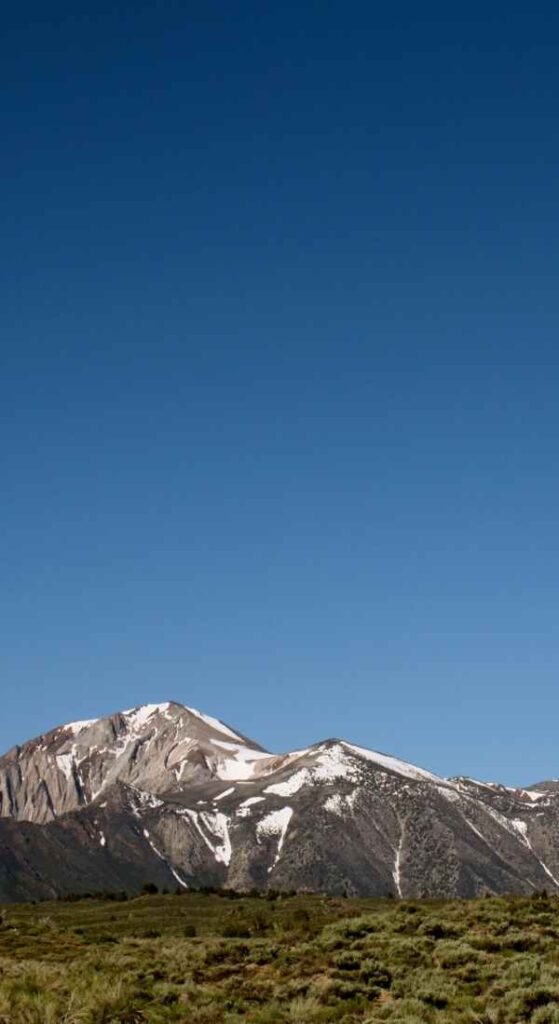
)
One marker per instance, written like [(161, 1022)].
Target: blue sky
[(279, 368)]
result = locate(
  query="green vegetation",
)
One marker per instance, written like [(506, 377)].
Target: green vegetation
[(202, 958)]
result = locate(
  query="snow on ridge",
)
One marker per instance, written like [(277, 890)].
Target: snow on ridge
[(463, 783), (533, 795), (140, 715), (333, 764), (394, 764), (145, 711), (76, 727), (214, 723)]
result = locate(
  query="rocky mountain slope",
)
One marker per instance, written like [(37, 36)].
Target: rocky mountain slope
[(164, 793)]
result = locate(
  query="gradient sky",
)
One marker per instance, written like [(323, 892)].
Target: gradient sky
[(279, 372)]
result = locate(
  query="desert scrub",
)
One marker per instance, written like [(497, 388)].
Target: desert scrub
[(305, 958)]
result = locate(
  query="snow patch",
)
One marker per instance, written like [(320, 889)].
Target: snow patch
[(193, 816), (66, 764), (332, 763), (476, 830), (241, 764), (276, 823), (217, 824), (291, 785), (226, 792), (141, 801), (340, 803), (519, 828), (397, 873), (244, 809), (163, 858), (505, 823), (449, 794), (522, 829)]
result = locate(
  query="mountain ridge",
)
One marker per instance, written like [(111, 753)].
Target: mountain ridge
[(164, 791)]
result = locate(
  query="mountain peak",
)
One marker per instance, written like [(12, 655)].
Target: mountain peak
[(165, 791), (136, 718)]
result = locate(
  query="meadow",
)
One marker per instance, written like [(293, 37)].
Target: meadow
[(204, 958)]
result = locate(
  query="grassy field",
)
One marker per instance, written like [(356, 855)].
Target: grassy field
[(301, 959)]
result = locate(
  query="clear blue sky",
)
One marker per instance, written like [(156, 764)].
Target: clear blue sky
[(279, 382)]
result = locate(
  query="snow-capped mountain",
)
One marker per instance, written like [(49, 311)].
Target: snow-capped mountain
[(163, 792), (159, 747)]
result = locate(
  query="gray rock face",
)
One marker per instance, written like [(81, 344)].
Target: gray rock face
[(164, 793), (159, 747)]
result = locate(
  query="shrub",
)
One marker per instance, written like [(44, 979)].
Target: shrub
[(236, 928), (545, 1015), (347, 961), (375, 974), (521, 1002)]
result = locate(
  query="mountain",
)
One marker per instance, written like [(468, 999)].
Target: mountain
[(164, 793)]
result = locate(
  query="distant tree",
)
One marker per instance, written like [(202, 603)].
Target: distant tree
[(149, 889)]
